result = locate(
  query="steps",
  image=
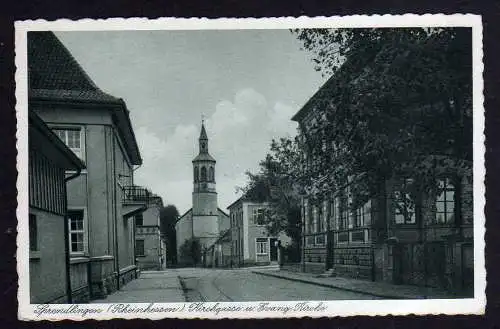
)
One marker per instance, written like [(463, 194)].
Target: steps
[(327, 274)]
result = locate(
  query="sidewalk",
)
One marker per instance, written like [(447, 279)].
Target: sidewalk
[(157, 286), (379, 289)]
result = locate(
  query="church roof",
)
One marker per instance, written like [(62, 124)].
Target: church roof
[(204, 157)]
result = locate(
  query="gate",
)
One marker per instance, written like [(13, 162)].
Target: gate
[(421, 264)]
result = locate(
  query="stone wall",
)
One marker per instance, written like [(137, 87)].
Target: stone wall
[(354, 262)]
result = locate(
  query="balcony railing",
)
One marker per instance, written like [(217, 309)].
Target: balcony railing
[(137, 194)]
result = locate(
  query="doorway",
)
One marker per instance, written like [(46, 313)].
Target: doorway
[(273, 249)]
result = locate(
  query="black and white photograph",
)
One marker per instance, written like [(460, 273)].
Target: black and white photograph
[(250, 168)]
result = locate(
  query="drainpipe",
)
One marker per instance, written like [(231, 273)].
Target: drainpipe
[(303, 216), (115, 203), (69, 291)]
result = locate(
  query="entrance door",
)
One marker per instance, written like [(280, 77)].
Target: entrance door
[(274, 249)]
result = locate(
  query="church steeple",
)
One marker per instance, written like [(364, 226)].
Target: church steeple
[(203, 140)]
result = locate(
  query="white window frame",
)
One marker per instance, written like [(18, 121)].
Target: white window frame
[(84, 231), (255, 215), (447, 183), (400, 197), (81, 152), (266, 244)]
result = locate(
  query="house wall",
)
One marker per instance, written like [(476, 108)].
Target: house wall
[(80, 289), (236, 224), (183, 232), (255, 231), (150, 233), (151, 258), (244, 233), (98, 192), (47, 267)]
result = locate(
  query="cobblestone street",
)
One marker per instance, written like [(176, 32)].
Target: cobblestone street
[(213, 285)]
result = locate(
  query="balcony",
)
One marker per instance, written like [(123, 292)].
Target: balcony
[(134, 194), (134, 200)]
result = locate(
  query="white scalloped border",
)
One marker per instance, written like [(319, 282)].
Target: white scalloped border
[(474, 305)]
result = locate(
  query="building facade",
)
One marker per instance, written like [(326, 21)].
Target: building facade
[(205, 220), (250, 242), (219, 253), (49, 159), (149, 249), (401, 234), (97, 128)]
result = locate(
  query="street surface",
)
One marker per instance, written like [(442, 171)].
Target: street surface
[(217, 285), (151, 286)]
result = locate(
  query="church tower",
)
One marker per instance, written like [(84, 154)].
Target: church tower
[(205, 209)]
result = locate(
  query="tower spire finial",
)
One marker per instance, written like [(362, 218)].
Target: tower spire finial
[(202, 118)]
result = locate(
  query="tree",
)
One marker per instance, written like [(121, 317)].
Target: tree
[(168, 218), (275, 184), (190, 251), (399, 99)]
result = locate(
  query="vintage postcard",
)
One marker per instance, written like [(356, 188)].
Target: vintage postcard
[(250, 168)]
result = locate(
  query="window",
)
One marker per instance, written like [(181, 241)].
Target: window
[(310, 219), (76, 231), (203, 174), (139, 247), (33, 231), (196, 174), (261, 246), (445, 202), (258, 216), (139, 219), (321, 218), (342, 212), (404, 203), (363, 215), (211, 174), (72, 137)]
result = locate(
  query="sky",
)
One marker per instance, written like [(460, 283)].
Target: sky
[(247, 84)]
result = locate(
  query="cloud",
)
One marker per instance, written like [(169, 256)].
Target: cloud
[(239, 131)]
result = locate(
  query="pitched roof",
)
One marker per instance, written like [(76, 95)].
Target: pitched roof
[(53, 72), (55, 76)]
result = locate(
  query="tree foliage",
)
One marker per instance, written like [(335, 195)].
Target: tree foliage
[(190, 251), (398, 100), (275, 183), (168, 218)]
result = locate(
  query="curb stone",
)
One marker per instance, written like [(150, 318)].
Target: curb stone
[(329, 285)]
